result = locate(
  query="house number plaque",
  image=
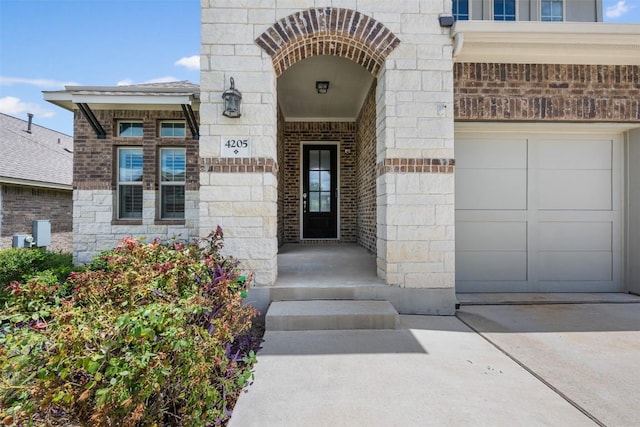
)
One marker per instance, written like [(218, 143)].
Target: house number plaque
[(235, 147)]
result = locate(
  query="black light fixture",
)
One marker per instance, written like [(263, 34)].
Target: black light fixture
[(446, 20), (232, 98), (322, 87)]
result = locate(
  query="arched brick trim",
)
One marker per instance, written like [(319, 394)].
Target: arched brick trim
[(328, 31)]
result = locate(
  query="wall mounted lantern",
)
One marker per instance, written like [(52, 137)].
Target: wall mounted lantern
[(446, 21), (322, 87), (232, 98)]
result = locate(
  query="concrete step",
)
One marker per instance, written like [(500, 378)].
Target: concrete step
[(330, 315)]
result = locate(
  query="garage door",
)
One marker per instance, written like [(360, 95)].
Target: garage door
[(539, 213)]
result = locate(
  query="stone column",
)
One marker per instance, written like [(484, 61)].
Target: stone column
[(415, 179), (239, 193)]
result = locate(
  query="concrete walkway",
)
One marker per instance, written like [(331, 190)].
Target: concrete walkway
[(569, 365)]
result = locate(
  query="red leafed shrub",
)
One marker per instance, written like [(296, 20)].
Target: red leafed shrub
[(151, 334)]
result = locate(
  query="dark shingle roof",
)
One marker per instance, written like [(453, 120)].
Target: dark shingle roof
[(43, 157)]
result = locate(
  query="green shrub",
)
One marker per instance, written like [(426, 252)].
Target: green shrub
[(158, 337), (18, 264)]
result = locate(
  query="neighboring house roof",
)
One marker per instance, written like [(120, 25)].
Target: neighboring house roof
[(42, 158), (112, 97)]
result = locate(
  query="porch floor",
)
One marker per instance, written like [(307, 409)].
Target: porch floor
[(326, 265)]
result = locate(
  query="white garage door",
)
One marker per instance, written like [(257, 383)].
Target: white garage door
[(538, 213)]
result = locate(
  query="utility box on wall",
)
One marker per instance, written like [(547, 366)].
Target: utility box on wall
[(22, 241), (42, 232)]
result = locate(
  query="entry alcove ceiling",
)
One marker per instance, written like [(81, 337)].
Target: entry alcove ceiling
[(349, 84)]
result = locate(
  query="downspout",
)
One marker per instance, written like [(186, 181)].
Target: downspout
[(458, 42)]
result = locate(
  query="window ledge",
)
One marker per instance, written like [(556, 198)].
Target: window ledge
[(169, 222), (126, 222)]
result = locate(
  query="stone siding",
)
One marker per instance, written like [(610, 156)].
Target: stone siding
[(403, 45), (345, 134), (21, 205), (532, 92), (94, 229)]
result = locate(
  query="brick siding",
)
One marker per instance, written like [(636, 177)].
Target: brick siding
[(594, 93), (22, 205), (328, 31), (281, 182), (94, 159), (294, 134), (366, 173)]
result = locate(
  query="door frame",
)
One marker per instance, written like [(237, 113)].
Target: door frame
[(301, 188)]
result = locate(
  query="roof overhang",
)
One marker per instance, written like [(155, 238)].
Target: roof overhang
[(546, 42), (105, 98), (31, 183)]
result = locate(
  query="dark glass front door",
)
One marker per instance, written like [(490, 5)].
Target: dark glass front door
[(319, 192)]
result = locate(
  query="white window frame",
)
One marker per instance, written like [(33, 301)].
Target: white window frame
[(468, 9), (172, 122), (162, 184), (564, 10), (121, 122), (120, 184), (493, 12)]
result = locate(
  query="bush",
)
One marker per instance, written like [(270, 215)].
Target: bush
[(158, 337), (17, 264)]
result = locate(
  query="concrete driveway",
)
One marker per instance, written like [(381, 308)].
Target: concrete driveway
[(587, 353), (569, 365)]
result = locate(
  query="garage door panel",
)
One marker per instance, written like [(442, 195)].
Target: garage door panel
[(574, 190), (575, 265), (539, 213), (492, 236), (574, 154), (575, 236), (492, 154), (491, 265), (491, 189)]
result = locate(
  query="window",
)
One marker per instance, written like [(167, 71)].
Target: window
[(551, 10), (504, 10), (172, 130), (172, 182), (129, 183), (130, 129), (461, 10)]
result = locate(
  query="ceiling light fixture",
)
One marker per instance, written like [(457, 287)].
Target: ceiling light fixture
[(322, 87)]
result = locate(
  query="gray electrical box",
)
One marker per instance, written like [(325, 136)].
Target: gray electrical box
[(42, 232), (22, 241)]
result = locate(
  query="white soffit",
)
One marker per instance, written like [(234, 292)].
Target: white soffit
[(546, 42)]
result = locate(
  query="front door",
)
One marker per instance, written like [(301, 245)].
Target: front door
[(319, 192)]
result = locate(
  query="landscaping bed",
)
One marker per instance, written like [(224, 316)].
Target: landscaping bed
[(148, 334)]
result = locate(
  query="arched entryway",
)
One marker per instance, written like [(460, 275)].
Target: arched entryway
[(327, 61)]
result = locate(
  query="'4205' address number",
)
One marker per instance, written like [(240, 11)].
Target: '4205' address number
[(237, 143)]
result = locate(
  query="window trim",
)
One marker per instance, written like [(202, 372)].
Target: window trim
[(120, 184), (120, 122), (162, 184), (182, 122), (564, 10), (516, 10)]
